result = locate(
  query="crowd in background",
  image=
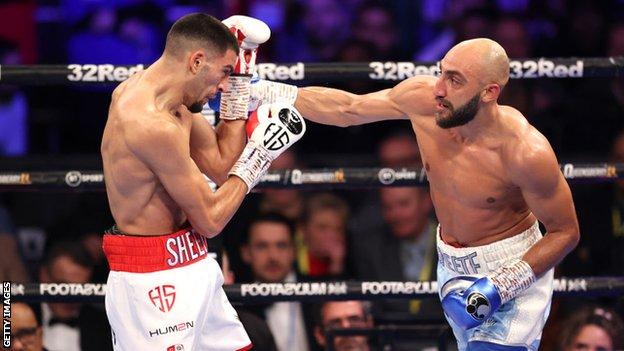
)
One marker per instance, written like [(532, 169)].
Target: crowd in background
[(291, 235)]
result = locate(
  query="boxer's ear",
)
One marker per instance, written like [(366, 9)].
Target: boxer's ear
[(196, 60), (491, 93)]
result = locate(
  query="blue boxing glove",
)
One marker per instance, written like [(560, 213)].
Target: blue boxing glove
[(215, 102), (469, 301)]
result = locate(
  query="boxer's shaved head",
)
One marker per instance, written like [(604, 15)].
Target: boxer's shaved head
[(199, 31), (483, 58)]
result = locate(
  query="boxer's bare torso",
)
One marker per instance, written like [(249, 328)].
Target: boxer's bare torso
[(476, 183), (470, 182), (138, 201)]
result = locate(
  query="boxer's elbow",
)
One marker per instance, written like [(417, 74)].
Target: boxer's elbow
[(210, 225), (573, 237), (209, 228)]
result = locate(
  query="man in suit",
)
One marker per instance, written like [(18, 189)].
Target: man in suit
[(402, 248), (269, 249)]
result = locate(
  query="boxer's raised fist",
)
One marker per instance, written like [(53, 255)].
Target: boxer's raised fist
[(272, 129)]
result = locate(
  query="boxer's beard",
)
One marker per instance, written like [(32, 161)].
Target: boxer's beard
[(196, 107), (458, 117)]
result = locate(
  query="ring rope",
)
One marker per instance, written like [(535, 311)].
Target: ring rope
[(320, 178), (313, 291), (568, 67)]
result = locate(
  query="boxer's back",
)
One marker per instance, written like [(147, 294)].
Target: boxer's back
[(138, 202)]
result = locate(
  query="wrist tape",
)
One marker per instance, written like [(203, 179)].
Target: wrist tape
[(512, 279), (235, 101), (269, 92), (252, 164)]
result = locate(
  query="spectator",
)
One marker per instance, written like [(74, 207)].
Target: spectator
[(399, 149), (593, 329), (396, 150), (270, 251), (344, 314), (376, 24), (26, 332), (321, 247), (70, 326), (402, 248)]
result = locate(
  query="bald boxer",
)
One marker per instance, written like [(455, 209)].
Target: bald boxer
[(163, 292), (492, 177)]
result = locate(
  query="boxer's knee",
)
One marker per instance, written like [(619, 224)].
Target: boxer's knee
[(488, 346)]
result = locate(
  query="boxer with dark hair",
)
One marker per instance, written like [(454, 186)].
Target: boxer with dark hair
[(163, 291)]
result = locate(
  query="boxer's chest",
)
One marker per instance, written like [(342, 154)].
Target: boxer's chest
[(470, 175)]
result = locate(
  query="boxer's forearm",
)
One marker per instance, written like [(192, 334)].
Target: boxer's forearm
[(341, 108), (326, 105), (215, 151), (231, 140), (551, 249), (220, 208)]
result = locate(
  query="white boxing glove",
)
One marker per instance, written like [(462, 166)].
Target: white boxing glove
[(272, 129), (250, 33)]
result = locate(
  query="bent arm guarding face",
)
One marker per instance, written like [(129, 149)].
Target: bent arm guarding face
[(215, 150), (166, 154)]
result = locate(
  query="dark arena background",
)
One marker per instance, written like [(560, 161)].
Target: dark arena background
[(356, 197)]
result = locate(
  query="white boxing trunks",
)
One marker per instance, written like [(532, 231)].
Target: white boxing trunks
[(164, 293), (519, 322)]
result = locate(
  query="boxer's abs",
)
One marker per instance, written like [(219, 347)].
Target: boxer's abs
[(478, 231), (138, 202)]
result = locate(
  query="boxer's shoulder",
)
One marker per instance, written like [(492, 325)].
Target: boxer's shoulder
[(415, 95)]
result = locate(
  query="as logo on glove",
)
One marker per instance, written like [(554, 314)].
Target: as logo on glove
[(275, 135), (283, 122), (478, 306)]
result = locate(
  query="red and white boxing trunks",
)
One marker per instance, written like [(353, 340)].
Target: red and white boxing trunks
[(165, 293)]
